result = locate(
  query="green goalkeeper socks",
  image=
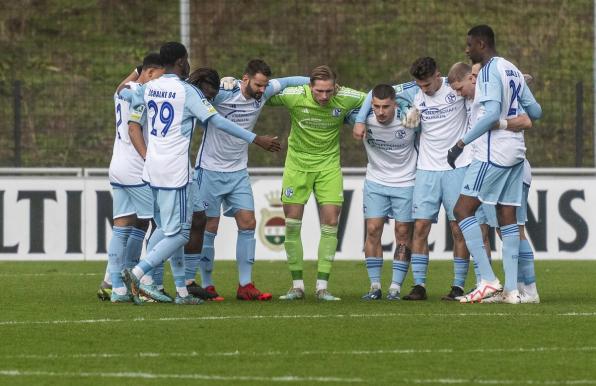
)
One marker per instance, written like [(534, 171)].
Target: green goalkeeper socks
[(327, 248), (293, 245)]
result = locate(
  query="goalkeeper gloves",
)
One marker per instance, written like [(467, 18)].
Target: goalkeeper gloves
[(452, 155), (411, 118), (227, 82)]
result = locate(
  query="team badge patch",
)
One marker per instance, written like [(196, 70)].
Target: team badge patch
[(289, 192), (400, 134), (336, 112), (450, 98), (272, 228), (209, 106)]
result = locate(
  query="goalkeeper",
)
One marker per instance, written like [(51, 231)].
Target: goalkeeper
[(317, 112)]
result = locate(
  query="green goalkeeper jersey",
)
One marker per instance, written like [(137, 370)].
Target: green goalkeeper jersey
[(313, 144)]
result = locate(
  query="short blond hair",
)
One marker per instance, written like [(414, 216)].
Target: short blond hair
[(458, 72), (323, 72)]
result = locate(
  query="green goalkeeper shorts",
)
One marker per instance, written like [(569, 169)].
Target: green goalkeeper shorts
[(328, 186)]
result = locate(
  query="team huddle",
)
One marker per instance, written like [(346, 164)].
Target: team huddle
[(455, 141)]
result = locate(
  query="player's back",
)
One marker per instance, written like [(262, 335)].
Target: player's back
[(126, 165), (170, 129), (500, 80)]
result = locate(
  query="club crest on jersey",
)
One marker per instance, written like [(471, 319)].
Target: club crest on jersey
[(289, 192), (400, 134), (205, 204), (336, 112), (450, 98)]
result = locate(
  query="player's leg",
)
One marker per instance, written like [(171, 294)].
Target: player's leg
[(510, 183), (526, 281), (328, 189), (200, 251), (142, 200), (239, 203), (124, 219), (401, 208), (425, 210), (175, 219), (468, 202), (376, 208), (296, 189), (373, 253), (451, 183)]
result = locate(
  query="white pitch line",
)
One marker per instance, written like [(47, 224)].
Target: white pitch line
[(245, 317), (455, 381), (289, 378), (144, 375), (237, 353), (49, 274)]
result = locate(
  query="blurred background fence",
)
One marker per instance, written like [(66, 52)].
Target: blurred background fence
[(61, 61)]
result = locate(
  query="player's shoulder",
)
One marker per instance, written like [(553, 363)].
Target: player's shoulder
[(346, 92), (295, 90), (402, 87)]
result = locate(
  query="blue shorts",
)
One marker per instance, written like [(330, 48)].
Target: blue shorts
[(433, 188), (487, 214), (522, 211), (132, 200), (173, 208), (230, 189), (388, 201), (494, 184)]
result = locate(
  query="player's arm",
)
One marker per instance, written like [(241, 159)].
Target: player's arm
[(132, 77), (489, 120), (137, 120), (200, 108), (528, 102), (520, 123), (275, 86)]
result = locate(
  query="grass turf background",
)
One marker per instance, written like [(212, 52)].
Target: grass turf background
[(52, 324)]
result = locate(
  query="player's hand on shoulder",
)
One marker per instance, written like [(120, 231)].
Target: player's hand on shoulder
[(411, 118), (267, 142), (359, 131), (227, 83)]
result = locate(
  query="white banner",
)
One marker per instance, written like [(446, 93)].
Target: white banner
[(69, 218)]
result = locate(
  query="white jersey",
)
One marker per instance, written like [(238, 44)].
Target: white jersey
[(126, 166), (171, 108), (501, 81), (221, 151), (391, 153), (444, 121)]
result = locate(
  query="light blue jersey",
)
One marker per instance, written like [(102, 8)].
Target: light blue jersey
[(170, 107), (500, 82), (223, 152)]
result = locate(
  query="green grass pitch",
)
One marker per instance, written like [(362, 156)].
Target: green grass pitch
[(54, 331)]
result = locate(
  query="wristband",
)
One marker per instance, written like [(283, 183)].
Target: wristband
[(502, 124)]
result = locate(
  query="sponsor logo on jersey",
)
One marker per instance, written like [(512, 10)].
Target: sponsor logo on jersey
[(450, 98), (209, 106), (272, 228), (336, 112)]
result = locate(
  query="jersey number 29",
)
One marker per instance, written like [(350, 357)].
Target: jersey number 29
[(166, 116)]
